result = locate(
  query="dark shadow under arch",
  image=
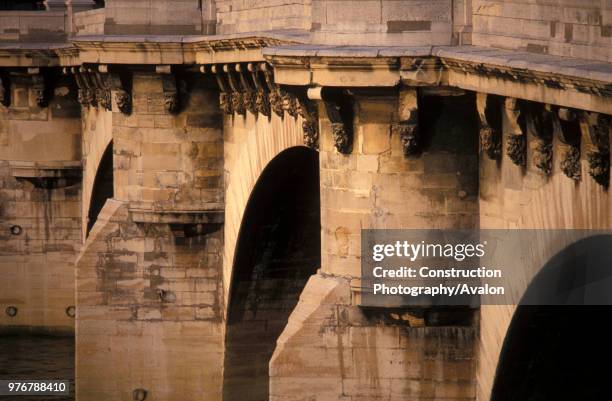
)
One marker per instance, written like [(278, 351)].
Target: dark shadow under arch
[(556, 349), (102, 187), (278, 249)]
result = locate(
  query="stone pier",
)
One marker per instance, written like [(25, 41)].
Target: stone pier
[(183, 186)]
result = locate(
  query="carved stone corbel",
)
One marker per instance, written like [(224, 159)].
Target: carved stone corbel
[(276, 102), (262, 102), (95, 86), (103, 89), (171, 97), (248, 93), (339, 110), (171, 94), (516, 142), (307, 109), (342, 138), (86, 94), (408, 126), (290, 104), (598, 149), (275, 95), (567, 126), (91, 87), (122, 96), (539, 123), (38, 87), (489, 110), (237, 98), (82, 96), (225, 102)]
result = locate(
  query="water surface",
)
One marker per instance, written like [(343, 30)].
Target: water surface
[(37, 358)]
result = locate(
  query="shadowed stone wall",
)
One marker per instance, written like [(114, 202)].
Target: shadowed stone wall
[(169, 161), (29, 132), (331, 345), (149, 283), (149, 312), (40, 236), (40, 217), (376, 186)]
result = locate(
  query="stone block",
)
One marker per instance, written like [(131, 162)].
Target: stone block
[(367, 163)]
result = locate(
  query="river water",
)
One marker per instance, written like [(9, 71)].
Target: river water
[(37, 358)]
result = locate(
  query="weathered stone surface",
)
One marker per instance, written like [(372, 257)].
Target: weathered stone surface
[(167, 152), (140, 287), (562, 27), (39, 215), (330, 346), (182, 151)]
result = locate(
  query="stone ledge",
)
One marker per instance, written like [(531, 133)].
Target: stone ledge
[(564, 66), (213, 216), (53, 169), (187, 49), (291, 35), (574, 83), (346, 51)]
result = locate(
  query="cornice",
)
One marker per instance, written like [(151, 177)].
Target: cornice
[(580, 84), (153, 50), (568, 82)]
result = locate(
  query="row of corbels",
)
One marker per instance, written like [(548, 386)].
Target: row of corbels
[(96, 85), (542, 122), (250, 87)]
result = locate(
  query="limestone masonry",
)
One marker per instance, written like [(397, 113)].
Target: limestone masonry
[(183, 184)]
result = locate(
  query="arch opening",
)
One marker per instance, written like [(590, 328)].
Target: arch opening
[(278, 249), (553, 350), (103, 187)]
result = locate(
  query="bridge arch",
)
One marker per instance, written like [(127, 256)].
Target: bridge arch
[(96, 142), (278, 249), (102, 187), (250, 143), (552, 346)]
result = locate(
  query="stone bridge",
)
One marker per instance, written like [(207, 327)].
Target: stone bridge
[(190, 204)]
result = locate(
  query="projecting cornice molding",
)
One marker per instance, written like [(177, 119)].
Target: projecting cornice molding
[(167, 49), (580, 84), (571, 83), (110, 49), (24, 56), (51, 174)]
